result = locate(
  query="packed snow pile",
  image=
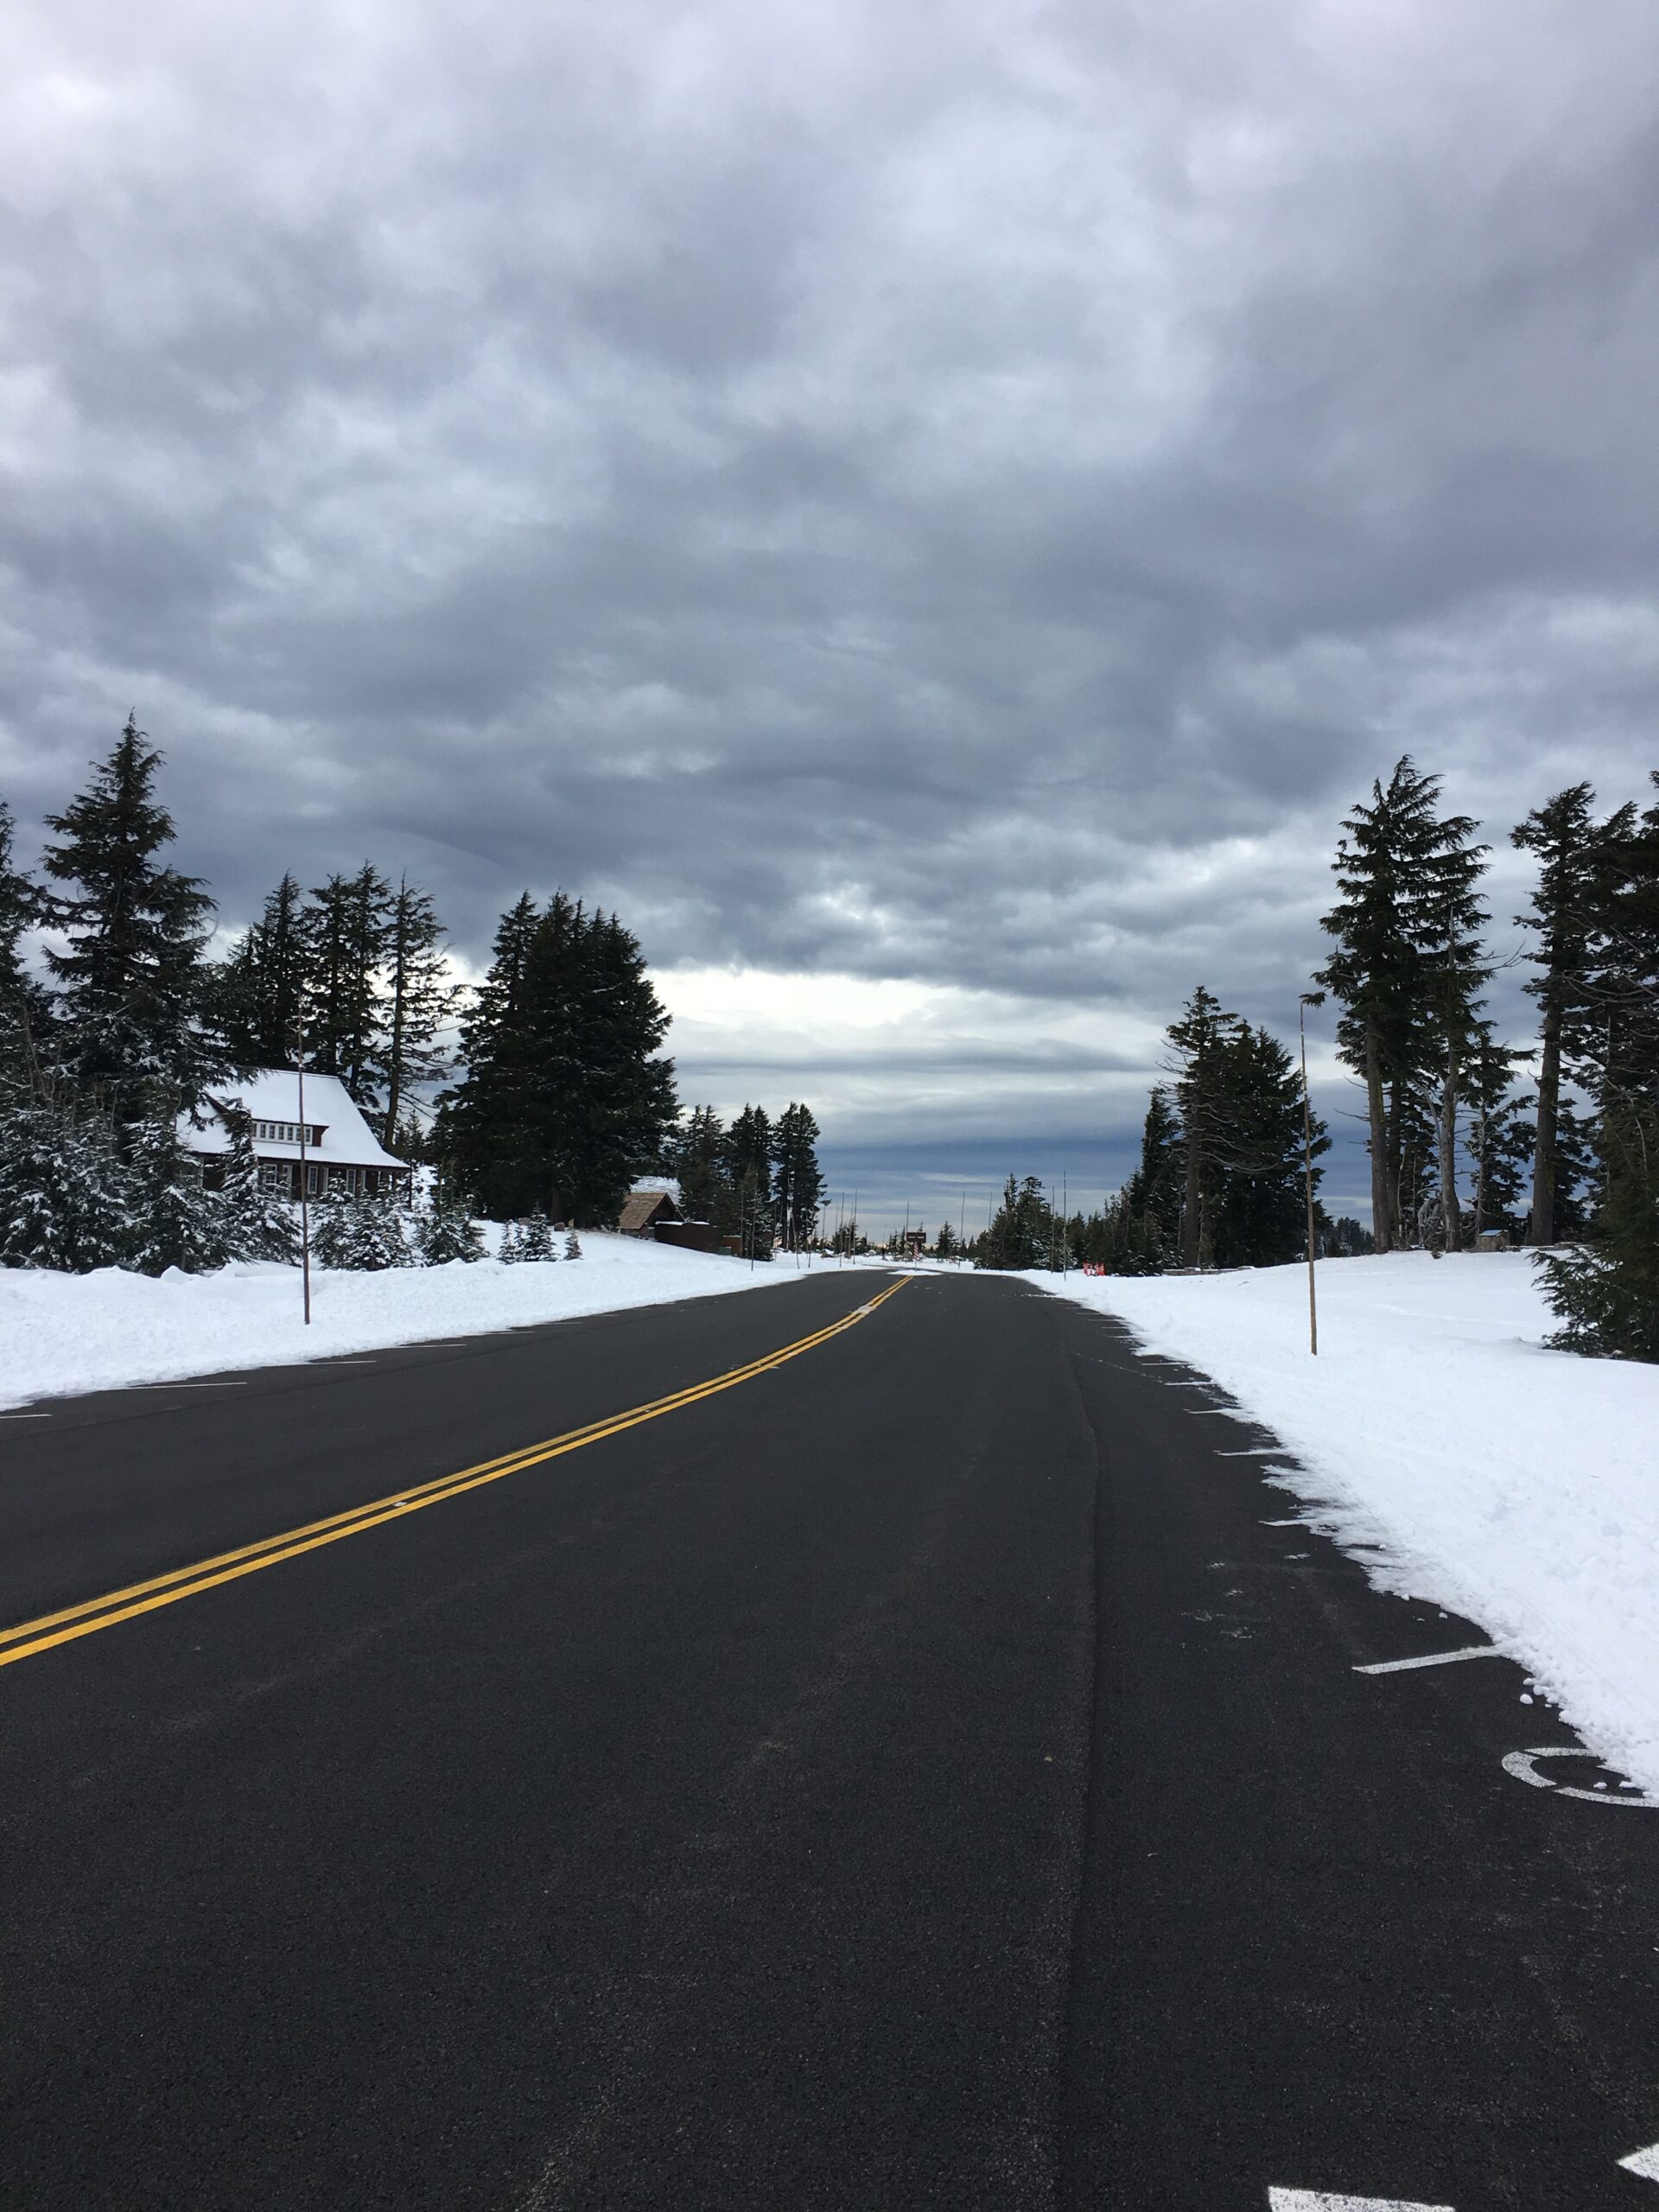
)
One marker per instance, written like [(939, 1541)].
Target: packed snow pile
[(63, 1333), (1517, 1485)]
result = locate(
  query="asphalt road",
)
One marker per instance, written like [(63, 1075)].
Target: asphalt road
[(919, 1774)]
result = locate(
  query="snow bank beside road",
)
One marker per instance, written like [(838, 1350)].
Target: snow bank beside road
[(1517, 1485), (62, 1333)]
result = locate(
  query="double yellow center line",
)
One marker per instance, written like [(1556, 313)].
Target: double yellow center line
[(50, 1629)]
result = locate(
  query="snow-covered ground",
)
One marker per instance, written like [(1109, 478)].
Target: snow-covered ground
[(60, 1332), (1461, 1461)]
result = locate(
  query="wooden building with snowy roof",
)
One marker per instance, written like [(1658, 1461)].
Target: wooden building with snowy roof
[(343, 1158)]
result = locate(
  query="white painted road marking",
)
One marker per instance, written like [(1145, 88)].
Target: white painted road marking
[(1434, 1659), (1644, 2163), (186, 1386), (1309, 2200), (1520, 1764)]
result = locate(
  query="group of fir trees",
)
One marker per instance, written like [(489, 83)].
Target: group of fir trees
[(353, 973), (1224, 1157), (132, 1029), (757, 1180), (566, 1099), (1454, 1146)]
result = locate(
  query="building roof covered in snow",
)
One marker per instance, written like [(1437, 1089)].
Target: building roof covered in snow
[(336, 1133), (642, 1210)]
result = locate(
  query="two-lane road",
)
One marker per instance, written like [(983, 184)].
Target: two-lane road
[(616, 1765)]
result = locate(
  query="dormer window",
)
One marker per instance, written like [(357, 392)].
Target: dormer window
[(288, 1132)]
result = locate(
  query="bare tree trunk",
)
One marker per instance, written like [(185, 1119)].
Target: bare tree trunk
[(1451, 1213), (1382, 1216), (1549, 1101)]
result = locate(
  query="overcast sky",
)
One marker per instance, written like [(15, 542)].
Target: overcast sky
[(933, 510)]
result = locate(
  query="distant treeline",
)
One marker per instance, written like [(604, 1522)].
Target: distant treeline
[(1553, 1143), (558, 1099)]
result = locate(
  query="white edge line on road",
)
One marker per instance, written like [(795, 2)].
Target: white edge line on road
[(1309, 2200), (182, 1385), (1643, 2163), (1432, 1658), (1254, 1452), (25, 1416)]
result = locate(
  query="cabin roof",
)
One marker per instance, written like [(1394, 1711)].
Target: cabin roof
[(273, 1095)]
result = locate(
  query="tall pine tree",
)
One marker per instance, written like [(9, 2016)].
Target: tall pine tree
[(348, 923), (420, 1001), (797, 1185), (566, 1098), (130, 977), (264, 981), (1400, 972)]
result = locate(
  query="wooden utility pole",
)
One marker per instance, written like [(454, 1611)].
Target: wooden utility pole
[(1308, 999), (305, 1217)]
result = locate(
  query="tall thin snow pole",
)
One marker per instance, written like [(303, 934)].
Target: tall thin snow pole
[(305, 1217), (1065, 1223), (1308, 999)]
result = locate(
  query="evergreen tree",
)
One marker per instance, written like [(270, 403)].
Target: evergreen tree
[(420, 1000), (1399, 870), (535, 1239), (1240, 1129), (944, 1244), (1153, 1191), (1455, 973), (348, 924), (1020, 1231), (257, 1224), (1124, 1239), (506, 1249), (1260, 1205), (1493, 1120), (66, 1197), (1578, 869), (797, 1185), (1342, 1239), (572, 1245), (446, 1231), (1200, 1039), (565, 1100), (130, 979), (696, 1156), (747, 1158), (25, 1013), (360, 1233), (1608, 1294), (482, 1123), (262, 984), (175, 1222)]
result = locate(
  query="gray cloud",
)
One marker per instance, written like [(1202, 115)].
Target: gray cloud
[(958, 491)]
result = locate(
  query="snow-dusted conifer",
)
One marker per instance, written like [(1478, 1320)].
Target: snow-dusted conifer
[(66, 1195), (362, 1233), (176, 1223), (572, 1246), (536, 1240), (446, 1231), (507, 1250), (258, 1224)]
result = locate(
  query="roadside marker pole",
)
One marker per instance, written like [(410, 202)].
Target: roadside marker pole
[(1308, 999), (305, 1218)]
